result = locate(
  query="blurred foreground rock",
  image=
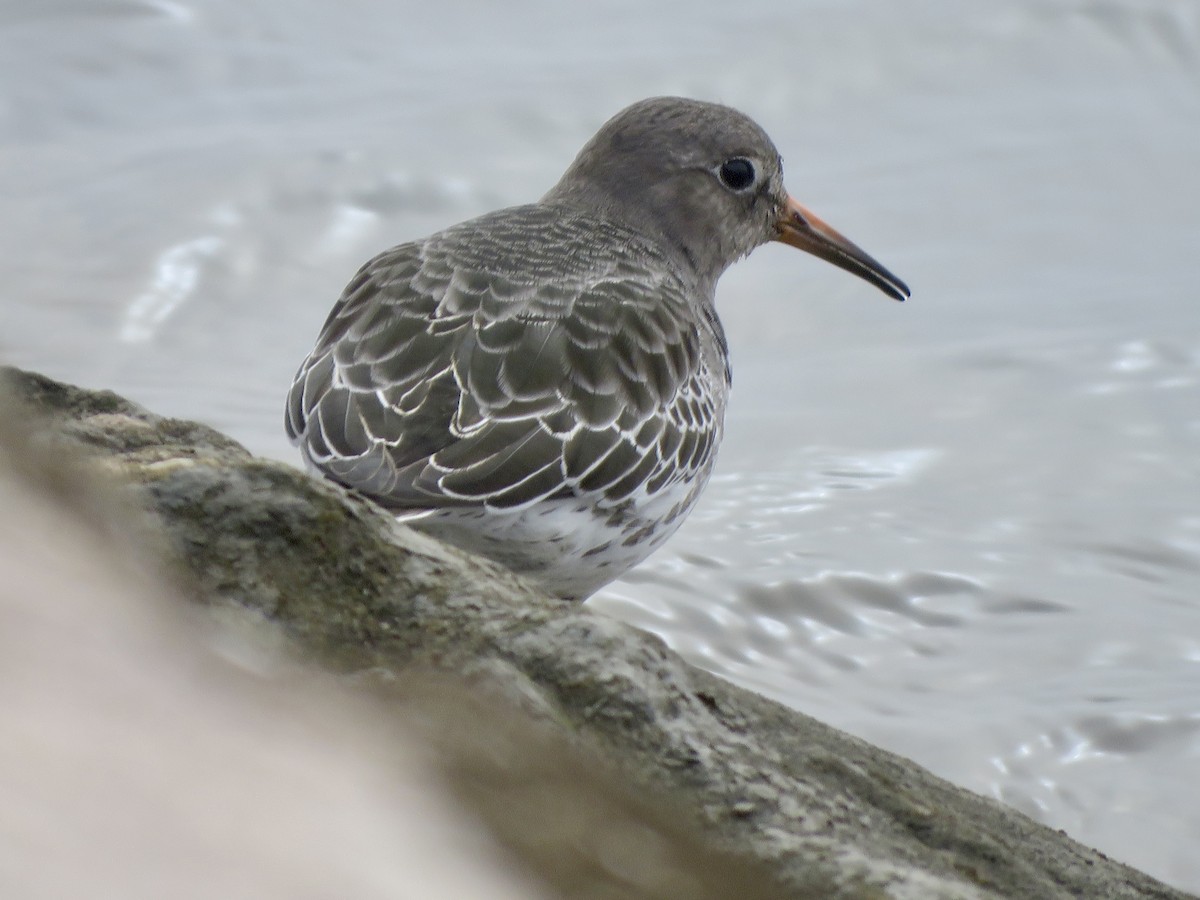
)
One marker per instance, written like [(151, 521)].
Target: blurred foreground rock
[(491, 742)]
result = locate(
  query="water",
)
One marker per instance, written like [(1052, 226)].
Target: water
[(966, 528)]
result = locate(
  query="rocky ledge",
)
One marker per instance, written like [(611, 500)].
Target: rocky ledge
[(764, 801)]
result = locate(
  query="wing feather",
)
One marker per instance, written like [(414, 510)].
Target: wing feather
[(453, 370)]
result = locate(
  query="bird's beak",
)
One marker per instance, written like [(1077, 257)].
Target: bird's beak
[(800, 228)]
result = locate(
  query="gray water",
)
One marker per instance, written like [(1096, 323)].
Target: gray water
[(966, 528)]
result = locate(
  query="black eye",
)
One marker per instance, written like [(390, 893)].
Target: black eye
[(737, 174)]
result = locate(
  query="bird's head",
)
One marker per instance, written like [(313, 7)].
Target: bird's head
[(707, 182)]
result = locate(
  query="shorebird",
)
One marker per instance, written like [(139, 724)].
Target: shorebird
[(546, 384)]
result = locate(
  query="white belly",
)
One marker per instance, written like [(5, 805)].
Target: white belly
[(570, 547)]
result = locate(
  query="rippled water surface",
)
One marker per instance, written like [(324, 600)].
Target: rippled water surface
[(966, 528)]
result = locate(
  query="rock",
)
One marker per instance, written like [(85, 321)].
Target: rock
[(818, 811), (139, 762)]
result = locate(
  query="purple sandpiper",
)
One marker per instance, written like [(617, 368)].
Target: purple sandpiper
[(545, 385)]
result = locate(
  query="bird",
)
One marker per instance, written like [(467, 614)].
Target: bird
[(545, 385)]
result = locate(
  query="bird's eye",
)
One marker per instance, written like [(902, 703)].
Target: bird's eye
[(737, 174)]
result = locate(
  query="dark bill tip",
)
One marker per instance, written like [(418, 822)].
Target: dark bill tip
[(800, 228)]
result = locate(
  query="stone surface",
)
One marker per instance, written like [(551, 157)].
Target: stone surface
[(824, 813), (139, 760)]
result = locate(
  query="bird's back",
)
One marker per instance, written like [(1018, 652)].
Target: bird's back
[(533, 356)]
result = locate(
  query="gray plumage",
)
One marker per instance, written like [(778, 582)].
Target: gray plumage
[(546, 384)]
